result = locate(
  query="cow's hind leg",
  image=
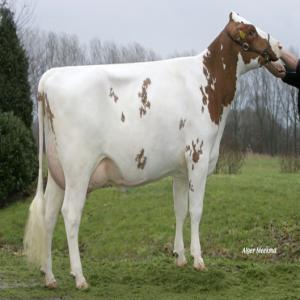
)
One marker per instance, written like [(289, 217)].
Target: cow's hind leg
[(53, 197), (75, 195), (180, 194), (197, 180)]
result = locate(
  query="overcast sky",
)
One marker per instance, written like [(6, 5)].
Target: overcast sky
[(166, 26)]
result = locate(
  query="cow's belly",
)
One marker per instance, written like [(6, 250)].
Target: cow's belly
[(106, 173)]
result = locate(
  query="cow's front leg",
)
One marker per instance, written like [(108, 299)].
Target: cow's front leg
[(197, 170), (180, 194)]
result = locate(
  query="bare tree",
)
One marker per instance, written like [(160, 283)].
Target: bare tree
[(110, 53), (24, 12), (290, 108)]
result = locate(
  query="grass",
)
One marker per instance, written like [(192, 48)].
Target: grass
[(126, 242)]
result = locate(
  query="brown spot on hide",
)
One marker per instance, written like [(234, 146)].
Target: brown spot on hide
[(141, 159), (204, 97), (191, 186), (49, 113), (144, 97), (221, 84), (123, 117), (113, 95), (42, 97), (182, 123), (195, 150)]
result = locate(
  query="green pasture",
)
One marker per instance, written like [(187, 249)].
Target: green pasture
[(126, 242)]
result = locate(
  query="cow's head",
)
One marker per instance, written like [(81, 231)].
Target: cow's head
[(255, 46)]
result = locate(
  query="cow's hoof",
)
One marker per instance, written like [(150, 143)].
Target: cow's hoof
[(51, 284), (199, 263), (181, 262), (200, 266), (82, 285)]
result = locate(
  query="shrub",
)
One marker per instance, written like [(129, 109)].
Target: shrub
[(18, 157), (14, 86), (290, 164), (231, 159)]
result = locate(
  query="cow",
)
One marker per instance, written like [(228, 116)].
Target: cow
[(130, 124)]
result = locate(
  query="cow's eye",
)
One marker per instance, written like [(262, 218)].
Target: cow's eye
[(252, 33)]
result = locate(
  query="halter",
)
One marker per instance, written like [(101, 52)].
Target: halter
[(246, 47)]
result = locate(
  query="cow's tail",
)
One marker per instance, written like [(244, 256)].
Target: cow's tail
[(35, 243)]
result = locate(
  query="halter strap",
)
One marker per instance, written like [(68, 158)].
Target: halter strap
[(246, 47)]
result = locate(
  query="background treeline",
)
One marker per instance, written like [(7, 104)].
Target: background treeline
[(264, 117)]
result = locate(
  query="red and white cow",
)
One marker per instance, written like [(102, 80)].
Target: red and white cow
[(135, 123)]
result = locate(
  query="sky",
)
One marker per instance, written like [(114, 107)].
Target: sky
[(165, 26)]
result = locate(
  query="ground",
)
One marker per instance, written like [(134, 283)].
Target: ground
[(126, 242)]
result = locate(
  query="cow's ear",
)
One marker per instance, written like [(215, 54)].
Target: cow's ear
[(233, 16), (232, 29)]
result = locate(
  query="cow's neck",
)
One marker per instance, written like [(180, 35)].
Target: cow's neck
[(221, 68)]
